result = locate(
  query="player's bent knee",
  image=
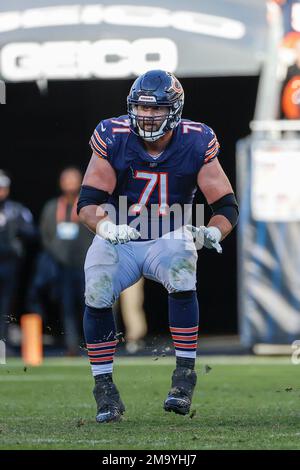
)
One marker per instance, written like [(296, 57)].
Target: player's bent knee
[(99, 292), (182, 274)]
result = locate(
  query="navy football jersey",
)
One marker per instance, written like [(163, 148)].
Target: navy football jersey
[(168, 179)]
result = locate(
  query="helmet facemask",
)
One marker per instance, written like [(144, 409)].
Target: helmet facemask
[(150, 128), (146, 126)]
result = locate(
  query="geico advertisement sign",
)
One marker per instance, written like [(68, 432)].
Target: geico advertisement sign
[(106, 58), (122, 15)]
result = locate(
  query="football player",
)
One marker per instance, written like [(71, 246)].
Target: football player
[(156, 159)]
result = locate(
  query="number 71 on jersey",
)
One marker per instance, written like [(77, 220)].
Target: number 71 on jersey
[(152, 180)]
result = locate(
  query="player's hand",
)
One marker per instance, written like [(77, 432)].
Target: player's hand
[(117, 233), (207, 236)]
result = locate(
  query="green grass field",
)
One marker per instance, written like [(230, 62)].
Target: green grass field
[(242, 403)]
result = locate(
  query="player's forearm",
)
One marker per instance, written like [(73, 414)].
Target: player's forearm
[(90, 216), (222, 223)]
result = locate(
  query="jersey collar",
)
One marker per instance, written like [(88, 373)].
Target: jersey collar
[(136, 145)]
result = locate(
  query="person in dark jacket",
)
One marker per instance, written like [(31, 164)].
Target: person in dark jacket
[(16, 228), (66, 240)]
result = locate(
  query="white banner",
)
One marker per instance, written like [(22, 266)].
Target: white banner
[(116, 39), (275, 188)]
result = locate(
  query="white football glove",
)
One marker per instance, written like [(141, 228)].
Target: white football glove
[(117, 233), (207, 236)]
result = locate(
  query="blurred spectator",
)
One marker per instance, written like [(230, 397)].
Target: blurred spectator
[(16, 227), (65, 242)]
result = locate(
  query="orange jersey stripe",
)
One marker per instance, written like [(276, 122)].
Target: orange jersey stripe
[(212, 155), (100, 140), (98, 146), (208, 152), (212, 141), (97, 153)]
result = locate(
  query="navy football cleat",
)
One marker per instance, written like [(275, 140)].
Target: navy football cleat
[(179, 398), (109, 404)]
